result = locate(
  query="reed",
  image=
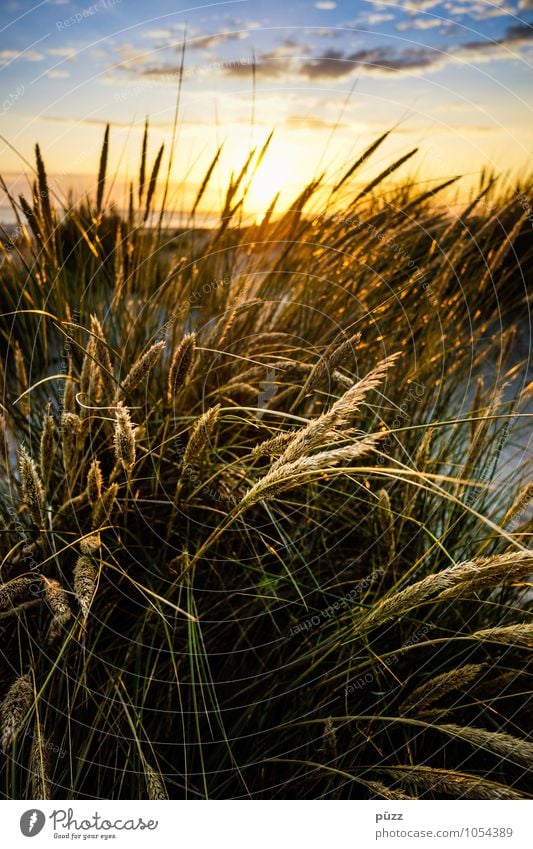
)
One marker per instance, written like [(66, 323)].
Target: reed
[(265, 531)]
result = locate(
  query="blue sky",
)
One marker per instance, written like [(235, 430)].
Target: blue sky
[(455, 76)]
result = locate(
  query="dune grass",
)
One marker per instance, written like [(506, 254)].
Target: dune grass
[(258, 535)]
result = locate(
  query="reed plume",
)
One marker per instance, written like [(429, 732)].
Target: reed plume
[(95, 482), (85, 577), (181, 364), (142, 367), (199, 440), (104, 505), (513, 635), (32, 488), (71, 425), (154, 784), (40, 767), (102, 355), (498, 742), (379, 789), (427, 694), (290, 474), (327, 426), (16, 704), (124, 438), (448, 782), (90, 544), (12, 590), (47, 449), (469, 576), (57, 599)]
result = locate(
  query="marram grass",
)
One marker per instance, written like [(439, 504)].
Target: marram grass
[(258, 536)]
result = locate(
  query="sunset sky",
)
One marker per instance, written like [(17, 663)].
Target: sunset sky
[(455, 76)]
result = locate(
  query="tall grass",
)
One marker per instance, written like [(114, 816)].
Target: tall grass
[(258, 537)]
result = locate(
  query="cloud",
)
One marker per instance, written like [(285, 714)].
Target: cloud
[(25, 55), (325, 5), (310, 122), (336, 64), (57, 75), (62, 52), (333, 64), (515, 35), (207, 41), (419, 23), (293, 59), (477, 10)]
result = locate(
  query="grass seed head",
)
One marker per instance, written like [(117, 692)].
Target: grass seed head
[(95, 481), (124, 438), (142, 367), (181, 364), (85, 576), (32, 488), (17, 703)]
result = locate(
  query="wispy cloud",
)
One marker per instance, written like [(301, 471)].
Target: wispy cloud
[(23, 55), (335, 63)]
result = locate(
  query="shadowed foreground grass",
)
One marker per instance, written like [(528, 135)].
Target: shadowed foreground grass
[(260, 532)]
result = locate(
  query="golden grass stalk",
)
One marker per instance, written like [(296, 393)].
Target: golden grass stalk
[(447, 782), (102, 169), (102, 355), (95, 482), (47, 449), (499, 743), (288, 475), (22, 379), (142, 367), (57, 599), (104, 505), (486, 572), (124, 439), (327, 425), (142, 170), (90, 544), (91, 376), (32, 488), (273, 446), (85, 577), (154, 784), (379, 789), (334, 356), (385, 522), (199, 440), (153, 181), (16, 704), (40, 767), (69, 398), (521, 501), (44, 194), (431, 691), (70, 432), (470, 575), (11, 591), (181, 364), (519, 635)]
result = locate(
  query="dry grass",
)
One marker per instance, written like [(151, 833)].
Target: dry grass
[(273, 528)]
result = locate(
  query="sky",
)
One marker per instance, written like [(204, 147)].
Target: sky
[(453, 78)]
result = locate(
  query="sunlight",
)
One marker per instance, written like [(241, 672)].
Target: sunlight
[(278, 172)]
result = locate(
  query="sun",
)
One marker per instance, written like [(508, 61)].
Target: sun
[(278, 172)]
